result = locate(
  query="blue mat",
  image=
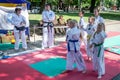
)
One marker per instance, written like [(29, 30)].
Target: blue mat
[(7, 46), (50, 67), (113, 44)]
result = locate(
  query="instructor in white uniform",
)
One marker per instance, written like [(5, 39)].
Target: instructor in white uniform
[(19, 23), (48, 17)]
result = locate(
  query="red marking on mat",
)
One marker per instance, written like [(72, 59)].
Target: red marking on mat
[(112, 33), (18, 70)]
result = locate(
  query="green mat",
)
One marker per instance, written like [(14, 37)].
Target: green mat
[(7, 46), (50, 67), (113, 49), (111, 43), (117, 77)]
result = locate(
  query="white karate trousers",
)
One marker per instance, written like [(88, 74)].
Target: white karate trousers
[(20, 35), (89, 50), (48, 37), (77, 58), (84, 37), (98, 61)]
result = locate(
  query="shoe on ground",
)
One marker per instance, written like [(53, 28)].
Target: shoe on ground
[(99, 77), (25, 49), (16, 50), (67, 71), (84, 71)]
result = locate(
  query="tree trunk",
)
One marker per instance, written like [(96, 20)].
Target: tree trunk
[(42, 5), (92, 6)]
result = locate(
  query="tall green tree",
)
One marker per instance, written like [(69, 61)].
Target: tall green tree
[(118, 3), (42, 5), (92, 6)]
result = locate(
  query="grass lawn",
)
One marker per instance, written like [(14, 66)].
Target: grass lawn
[(35, 18)]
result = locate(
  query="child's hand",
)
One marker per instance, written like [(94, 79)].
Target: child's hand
[(22, 23), (91, 46), (81, 27)]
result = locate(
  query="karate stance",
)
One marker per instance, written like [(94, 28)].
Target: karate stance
[(19, 23), (48, 17), (91, 28), (98, 50), (73, 47)]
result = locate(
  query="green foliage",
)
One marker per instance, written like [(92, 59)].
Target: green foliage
[(53, 2), (118, 3), (35, 18)]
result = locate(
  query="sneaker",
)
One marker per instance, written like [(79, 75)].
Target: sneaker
[(42, 48), (99, 77), (50, 46), (84, 71), (16, 50), (24, 49)]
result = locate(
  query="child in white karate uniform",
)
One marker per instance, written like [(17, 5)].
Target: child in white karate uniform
[(98, 18), (82, 24), (91, 27), (73, 46), (98, 50)]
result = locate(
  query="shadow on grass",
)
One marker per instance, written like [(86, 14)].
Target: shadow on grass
[(33, 22)]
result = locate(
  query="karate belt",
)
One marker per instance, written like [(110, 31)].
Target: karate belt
[(99, 48), (73, 41), (49, 24), (20, 28), (88, 37)]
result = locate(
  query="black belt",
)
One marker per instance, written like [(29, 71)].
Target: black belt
[(20, 28), (49, 24)]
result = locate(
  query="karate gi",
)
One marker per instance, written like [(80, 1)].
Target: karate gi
[(98, 20), (16, 21), (91, 28), (73, 46), (98, 52), (83, 33), (48, 30)]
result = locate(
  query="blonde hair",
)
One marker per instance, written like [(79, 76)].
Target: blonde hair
[(91, 17), (74, 22), (102, 26)]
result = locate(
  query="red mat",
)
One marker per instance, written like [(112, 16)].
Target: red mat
[(17, 68)]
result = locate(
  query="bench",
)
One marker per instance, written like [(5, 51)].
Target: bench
[(58, 29)]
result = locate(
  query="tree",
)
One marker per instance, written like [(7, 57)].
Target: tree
[(118, 4), (43, 5), (92, 6)]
